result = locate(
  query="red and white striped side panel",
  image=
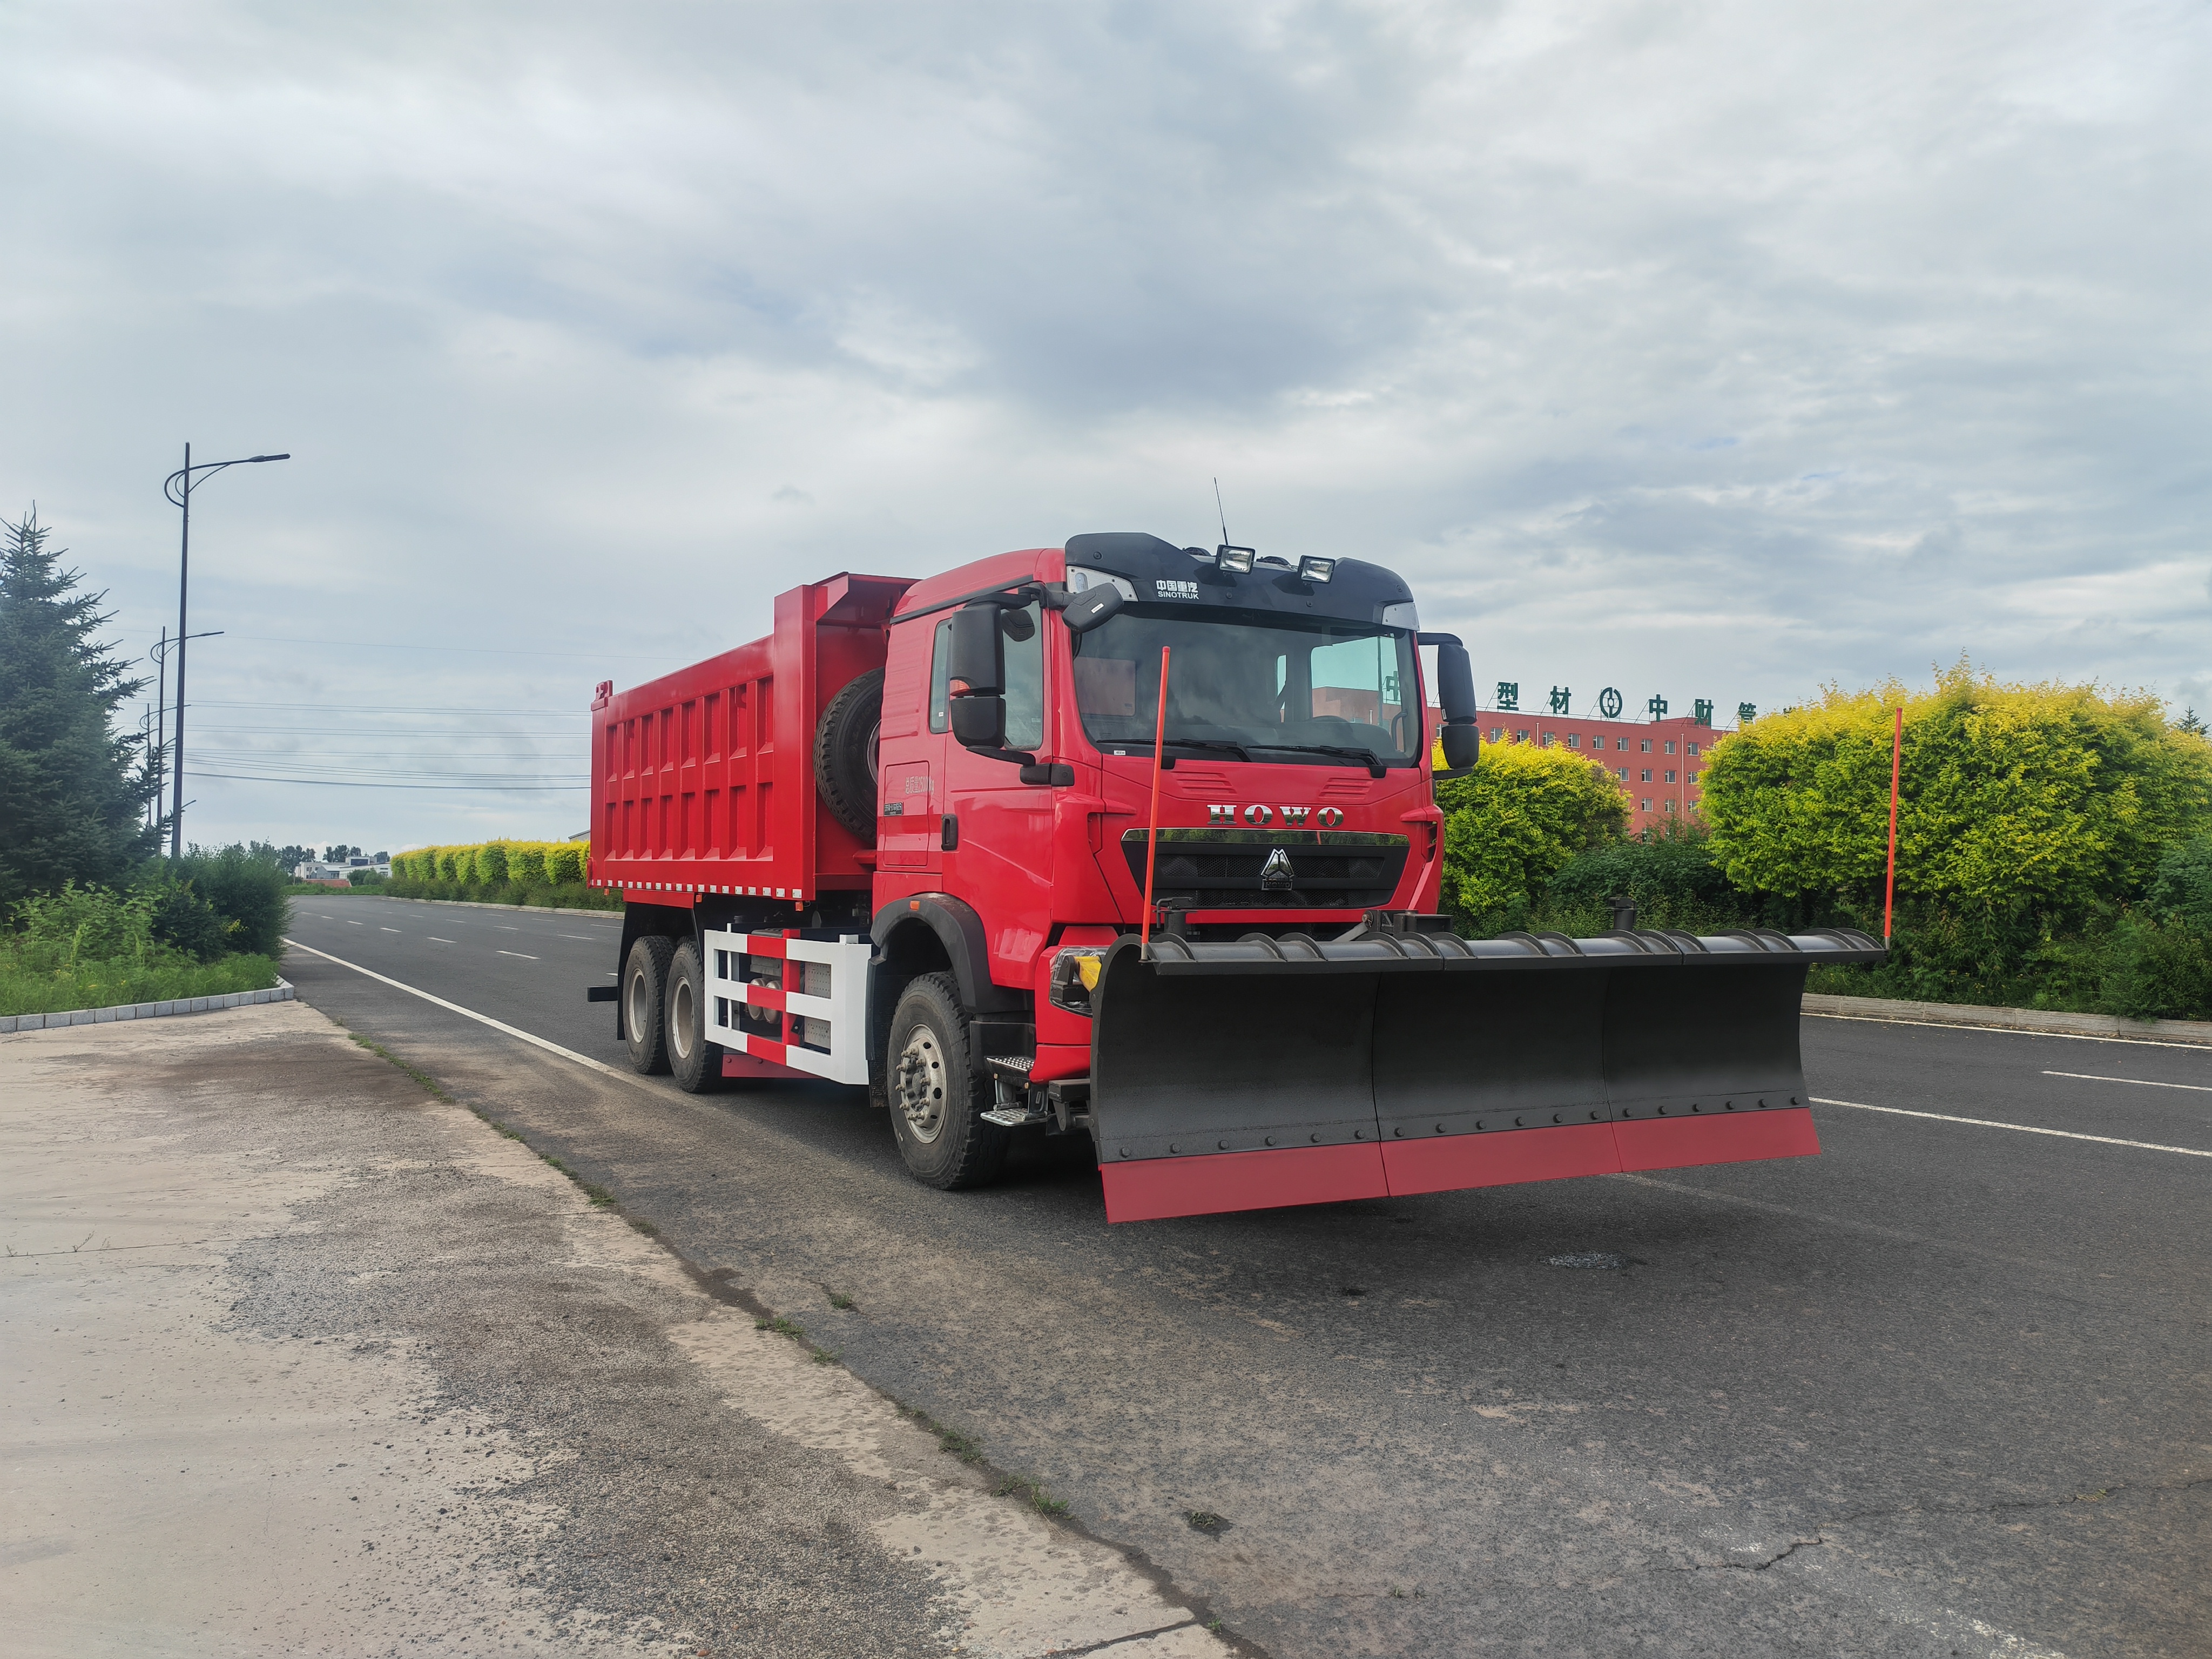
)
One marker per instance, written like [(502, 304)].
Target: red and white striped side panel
[(824, 1033)]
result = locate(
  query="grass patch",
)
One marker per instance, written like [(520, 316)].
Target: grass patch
[(780, 1325), (1039, 1499), (839, 1301), (156, 976), (825, 1356), (430, 1084)]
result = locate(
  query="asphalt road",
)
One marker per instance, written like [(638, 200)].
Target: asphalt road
[(1945, 1389)]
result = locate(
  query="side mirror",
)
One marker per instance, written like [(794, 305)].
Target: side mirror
[(1454, 678), (979, 656), (978, 721), (1463, 746), (1094, 606)]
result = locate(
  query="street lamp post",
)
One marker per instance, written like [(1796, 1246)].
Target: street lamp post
[(178, 487)]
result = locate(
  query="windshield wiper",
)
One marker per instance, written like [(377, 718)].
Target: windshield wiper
[(1366, 757), (1236, 749), (1120, 745)]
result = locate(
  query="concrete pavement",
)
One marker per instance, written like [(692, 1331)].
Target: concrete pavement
[(303, 1359)]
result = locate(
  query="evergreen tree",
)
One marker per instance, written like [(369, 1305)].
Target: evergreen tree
[(73, 790)]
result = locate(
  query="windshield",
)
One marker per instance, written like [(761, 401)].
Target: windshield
[(1259, 683)]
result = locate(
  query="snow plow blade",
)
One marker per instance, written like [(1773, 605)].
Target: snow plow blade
[(1265, 1071)]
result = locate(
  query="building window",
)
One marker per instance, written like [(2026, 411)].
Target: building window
[(1689, 749), (1670, 777), (1670, 805), (1624, 775), (1497, 735), (1646, 776), (1550, 738), (1520, 737), (1574, 740), (1646, 745), (1644, 806), (1670, 745)]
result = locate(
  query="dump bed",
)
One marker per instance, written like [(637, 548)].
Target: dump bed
[(703, 780)]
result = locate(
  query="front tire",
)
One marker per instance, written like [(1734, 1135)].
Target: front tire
[(696, 1062), (937, 1100), (644, 990)]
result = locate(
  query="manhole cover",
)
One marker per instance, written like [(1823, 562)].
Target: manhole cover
[(1591, 1258)]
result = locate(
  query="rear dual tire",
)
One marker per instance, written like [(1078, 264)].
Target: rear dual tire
[(663, 991)]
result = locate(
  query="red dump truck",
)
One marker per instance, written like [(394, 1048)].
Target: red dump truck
[(904, 843)]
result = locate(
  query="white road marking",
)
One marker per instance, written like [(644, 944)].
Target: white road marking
[(525, 954), (586, 938), (504, 928), (435, 939), (388, 930), (530, 1038), (353, 924), (2092, 1077), (2009, 1030), (2021, 1128)]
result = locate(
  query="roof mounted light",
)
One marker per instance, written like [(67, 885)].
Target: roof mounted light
[(1236, 559), (1316, 570)]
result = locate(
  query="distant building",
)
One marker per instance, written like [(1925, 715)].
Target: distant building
[(338, 872), (1658, 763)]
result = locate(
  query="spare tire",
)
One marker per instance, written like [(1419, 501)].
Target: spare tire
[(845, 754)]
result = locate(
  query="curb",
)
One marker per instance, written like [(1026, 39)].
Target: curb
[(485, 904), (2195, 1032), (279, 992)]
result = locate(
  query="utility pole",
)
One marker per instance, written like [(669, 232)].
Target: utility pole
[(178, 487)]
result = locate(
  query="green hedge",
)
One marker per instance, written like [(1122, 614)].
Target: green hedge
[(93, 947), (2055, 846)]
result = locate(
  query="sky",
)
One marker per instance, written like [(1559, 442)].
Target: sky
[(1700, 352)]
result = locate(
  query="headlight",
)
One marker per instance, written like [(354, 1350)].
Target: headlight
[(1075, 973)]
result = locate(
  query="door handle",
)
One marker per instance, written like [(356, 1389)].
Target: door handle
[(948, 832)]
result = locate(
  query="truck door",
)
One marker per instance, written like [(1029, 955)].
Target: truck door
[(1001, 857), (917, 705)]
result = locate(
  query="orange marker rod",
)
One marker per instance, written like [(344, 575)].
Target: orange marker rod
[(1896, 766)]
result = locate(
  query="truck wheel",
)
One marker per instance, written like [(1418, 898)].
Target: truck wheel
[(937, 1103), (644, 993), (696, 1062), (845, 754)]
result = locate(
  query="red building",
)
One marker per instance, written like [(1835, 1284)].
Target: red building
[(1656, 762)]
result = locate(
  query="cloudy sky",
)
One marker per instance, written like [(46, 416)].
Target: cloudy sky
[(1710, 350)]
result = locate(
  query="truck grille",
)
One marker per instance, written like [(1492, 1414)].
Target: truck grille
[(1229, 869)]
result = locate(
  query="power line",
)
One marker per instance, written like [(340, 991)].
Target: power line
[(382, 730), (483, 650), (390, 709), (341, 783)]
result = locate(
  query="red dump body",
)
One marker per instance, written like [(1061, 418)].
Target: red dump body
[(703, 780)]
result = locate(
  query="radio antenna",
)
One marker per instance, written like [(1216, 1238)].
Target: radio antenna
[(1219, 508)]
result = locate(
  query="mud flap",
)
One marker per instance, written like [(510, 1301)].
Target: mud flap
[(1267, 1071)]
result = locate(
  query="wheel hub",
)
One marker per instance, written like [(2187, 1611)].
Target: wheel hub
[(918, 1089)]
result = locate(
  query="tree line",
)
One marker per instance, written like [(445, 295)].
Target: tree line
[(87, 902)]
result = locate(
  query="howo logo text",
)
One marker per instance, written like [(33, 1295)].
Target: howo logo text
[(1258, 815)]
